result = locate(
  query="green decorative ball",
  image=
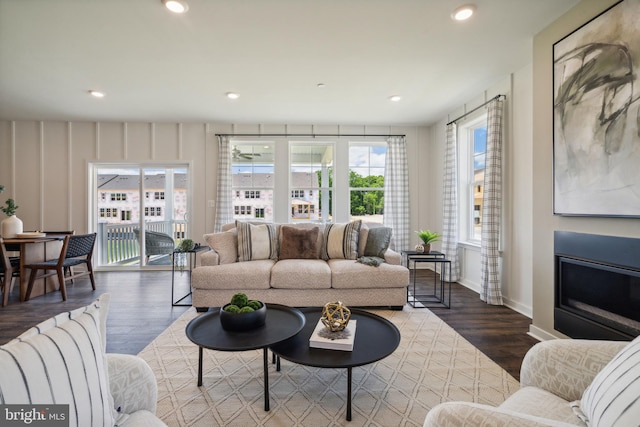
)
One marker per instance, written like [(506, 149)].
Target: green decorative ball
[(240, 300), (232, 309), (246, 309), (254, 304)]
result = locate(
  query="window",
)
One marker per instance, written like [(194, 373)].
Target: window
[(312, 180), (473, 148), (366, 181), (252, 172), (311, 168)]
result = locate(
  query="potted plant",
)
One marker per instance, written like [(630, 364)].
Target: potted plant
[(428, 237), (242, 314), (11, 226)]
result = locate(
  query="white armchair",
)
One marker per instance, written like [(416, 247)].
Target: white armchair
[(134, 390), (553, 374)]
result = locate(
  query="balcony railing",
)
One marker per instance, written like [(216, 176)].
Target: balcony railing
[(117, 243)]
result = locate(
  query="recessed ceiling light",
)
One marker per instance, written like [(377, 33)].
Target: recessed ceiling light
[(463, 13), (321, 85), (97, 93), (395, 98), (176, 6), (232, 95)]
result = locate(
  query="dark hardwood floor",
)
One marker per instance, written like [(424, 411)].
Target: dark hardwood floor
[(141, 308)]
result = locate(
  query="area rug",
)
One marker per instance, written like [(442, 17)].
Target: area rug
[(433, 364)]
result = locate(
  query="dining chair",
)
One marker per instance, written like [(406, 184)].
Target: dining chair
[(68, 270), (9, 268), (77, 249)]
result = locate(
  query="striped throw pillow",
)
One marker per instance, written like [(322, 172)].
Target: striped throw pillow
[(613, 398), (61, 361), (257, 241), (341, 240)]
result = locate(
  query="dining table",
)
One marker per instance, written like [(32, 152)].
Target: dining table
[(35, 249)]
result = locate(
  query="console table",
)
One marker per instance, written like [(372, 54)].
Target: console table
[(439, 297), (190, 261)]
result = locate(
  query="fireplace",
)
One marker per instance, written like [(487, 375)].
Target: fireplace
[(597, 286)]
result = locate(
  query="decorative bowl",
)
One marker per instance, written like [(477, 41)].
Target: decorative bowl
[(238, 322)]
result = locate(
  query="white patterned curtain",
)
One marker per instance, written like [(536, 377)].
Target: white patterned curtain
[(396, 192), (450, 202), (490, 285), (224, 210)]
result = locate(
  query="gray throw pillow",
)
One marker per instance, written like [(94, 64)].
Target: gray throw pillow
[(378, 241)]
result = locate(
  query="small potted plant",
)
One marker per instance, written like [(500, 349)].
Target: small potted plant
[(11, 226), (428, 237), (242, 314)]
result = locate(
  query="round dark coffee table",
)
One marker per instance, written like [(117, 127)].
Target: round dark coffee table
[(375, 339), (206, 331)]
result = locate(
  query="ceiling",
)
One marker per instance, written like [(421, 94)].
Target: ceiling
[(157, 66)]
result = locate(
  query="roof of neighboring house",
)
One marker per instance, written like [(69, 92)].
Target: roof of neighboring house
[(115, 182), (265, 180)]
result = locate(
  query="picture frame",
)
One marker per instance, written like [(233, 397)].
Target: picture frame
[(596, 116)]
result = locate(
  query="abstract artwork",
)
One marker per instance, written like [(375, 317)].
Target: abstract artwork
[(596, 124)]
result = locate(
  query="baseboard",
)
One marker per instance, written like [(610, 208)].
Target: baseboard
[(515, 306), (541, 334)]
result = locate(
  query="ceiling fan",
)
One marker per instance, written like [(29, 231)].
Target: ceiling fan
[(236, 154)]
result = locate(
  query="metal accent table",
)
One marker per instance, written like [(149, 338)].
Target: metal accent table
[(375, 339), (282, 323), (439, 296), (191, 258)]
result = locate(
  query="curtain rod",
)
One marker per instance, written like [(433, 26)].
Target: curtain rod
[(476, 109), (311, 135)]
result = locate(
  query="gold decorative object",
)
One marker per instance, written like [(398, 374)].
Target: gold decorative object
[(335, 316)]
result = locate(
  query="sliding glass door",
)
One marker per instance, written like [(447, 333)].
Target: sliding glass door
[(140, 213)]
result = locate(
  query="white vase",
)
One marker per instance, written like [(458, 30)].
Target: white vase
[(11, 227)]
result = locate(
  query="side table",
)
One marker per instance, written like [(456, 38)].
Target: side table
[(190, 261), (439, 296)]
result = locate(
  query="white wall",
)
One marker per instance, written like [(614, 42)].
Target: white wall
[(517, 217), (44, 165), (544, 222)]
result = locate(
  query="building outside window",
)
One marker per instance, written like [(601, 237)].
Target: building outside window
[(252, 173), (311, 168)]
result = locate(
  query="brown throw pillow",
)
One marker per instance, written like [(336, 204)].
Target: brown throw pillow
[(298, 243)]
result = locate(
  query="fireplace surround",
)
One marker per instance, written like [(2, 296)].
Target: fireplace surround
[(597, 286)]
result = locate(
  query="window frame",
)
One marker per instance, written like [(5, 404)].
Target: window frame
[(369, 166), (467, 181)]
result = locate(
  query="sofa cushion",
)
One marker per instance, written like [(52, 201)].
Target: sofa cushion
[(61, 361), (239, 275), (298, 243), (256, 242), (301, 274), (346, 274), (612, 398), (225, 244), (378, 240), (341, 240)]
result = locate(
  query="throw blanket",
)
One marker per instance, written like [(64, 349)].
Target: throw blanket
[(371, 260)]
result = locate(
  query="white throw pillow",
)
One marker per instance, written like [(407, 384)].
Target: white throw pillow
[(257, 241), (341, 240), (613, 398), (61, 361), (225, 244)]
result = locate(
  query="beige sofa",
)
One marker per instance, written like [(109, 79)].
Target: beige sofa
[(306, 279), (554, 378)]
